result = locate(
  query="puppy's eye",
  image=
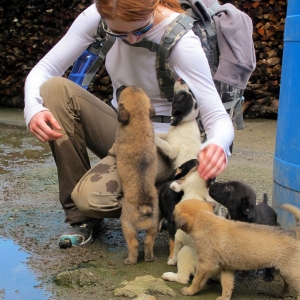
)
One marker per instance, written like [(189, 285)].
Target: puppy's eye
[(227, 187), (181, 97)]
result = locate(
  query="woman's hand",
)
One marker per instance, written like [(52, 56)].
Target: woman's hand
[(41, 126), (212, 161)]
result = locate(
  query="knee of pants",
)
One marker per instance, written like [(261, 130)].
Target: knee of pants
[(52, 84), (99, 193)]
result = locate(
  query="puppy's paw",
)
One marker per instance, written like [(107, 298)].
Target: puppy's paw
[(162, 135), (127, 261), (269, 274), (150, 258), (172, 262), (187, 291), (170, 276), (157, 141)]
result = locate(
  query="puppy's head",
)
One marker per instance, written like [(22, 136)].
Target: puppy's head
[(184, 169), (132, 100), (238, 197), (184, 105), (184, 181), (186, 212)]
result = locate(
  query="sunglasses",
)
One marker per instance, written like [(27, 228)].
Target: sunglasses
[(137, 32)]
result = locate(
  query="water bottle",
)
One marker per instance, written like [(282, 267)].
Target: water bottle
[(84, 63)]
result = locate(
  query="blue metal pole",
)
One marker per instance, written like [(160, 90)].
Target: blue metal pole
[(286, 172)]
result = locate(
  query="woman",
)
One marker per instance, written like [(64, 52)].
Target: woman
[(71, 119)]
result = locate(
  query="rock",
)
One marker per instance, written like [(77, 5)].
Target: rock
[(144, 297), (144, 285), (81, 277)]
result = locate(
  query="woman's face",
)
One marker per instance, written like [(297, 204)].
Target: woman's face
[(133, 32)]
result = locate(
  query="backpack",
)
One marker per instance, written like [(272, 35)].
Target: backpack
[(226, 37)]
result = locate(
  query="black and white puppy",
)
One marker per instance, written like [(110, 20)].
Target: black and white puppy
[(240, 201), (182, 141)]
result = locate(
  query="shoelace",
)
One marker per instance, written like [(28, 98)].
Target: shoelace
[(82, 225)]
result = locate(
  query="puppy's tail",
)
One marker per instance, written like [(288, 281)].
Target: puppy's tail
[(295, 211), (265, 198), (146, 210)]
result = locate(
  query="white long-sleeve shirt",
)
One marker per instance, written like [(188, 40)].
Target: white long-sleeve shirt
[(128, 65)]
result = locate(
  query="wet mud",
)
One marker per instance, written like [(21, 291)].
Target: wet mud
[(31, 216)]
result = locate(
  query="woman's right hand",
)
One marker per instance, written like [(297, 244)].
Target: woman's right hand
[(43, 126)]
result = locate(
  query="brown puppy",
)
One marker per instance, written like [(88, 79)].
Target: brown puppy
[(136, 159), (232, 245)]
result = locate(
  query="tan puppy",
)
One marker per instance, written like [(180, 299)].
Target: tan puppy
[(136, 159), (233, 245)]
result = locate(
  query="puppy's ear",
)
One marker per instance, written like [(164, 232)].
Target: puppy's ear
[(123, 114), (152, 112), (176, 186), (182, 222), (251, 211)]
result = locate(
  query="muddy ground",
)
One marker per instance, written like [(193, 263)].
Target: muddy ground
[(30, 214)]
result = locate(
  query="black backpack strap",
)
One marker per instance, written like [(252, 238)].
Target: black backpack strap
[(175, 30), (100, 47), (151, 46)]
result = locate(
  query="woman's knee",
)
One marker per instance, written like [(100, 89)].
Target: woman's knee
[(52, 92), (52, 84), (99, 193)]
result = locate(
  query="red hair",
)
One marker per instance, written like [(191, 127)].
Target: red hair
[(133, 10)]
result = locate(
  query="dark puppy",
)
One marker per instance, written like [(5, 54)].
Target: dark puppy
[(168, 198), (265, 214), (240, 201)]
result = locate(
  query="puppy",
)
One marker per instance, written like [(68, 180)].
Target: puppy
[(183, 140), (240, 201), (192, 186), (232, 245), (168, 198), (136, 159), (181, 144)]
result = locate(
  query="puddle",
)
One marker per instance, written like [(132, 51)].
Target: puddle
[(17, 281), (19, 148)]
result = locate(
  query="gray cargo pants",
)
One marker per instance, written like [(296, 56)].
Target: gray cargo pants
[(86, 122)]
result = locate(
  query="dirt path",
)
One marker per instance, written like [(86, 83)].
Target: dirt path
[(30, 214)]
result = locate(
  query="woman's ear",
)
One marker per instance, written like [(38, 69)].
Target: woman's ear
[(123, 114)]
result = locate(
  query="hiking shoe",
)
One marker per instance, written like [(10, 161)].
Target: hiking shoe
[(81, 234)]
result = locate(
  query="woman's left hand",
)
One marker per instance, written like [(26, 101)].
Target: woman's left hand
[(212, 161)]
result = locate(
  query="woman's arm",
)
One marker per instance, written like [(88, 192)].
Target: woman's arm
[(189, 62), (60, 58)]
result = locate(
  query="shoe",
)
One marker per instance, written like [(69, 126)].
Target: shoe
[(81, 234)]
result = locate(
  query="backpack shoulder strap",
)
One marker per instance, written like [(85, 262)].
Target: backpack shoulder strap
[(100, 47), (175, 30)]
